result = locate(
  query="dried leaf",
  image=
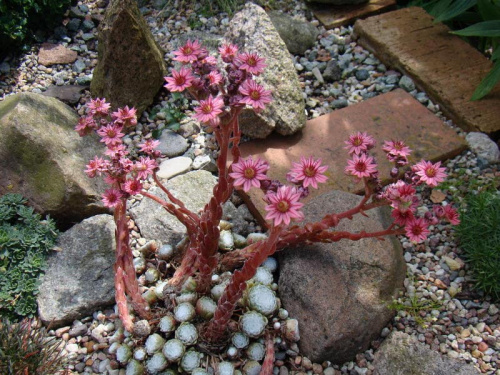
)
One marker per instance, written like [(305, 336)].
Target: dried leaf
[(437, 196)]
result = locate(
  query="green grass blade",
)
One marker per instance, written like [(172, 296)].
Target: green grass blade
[(486, 28), (488, 82), (496, 54), (456, 8)]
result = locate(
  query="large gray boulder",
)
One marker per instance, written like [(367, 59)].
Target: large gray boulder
[(193, 188), (402, 354), (130, 66), (252, 30), (43, 158), (339, 292), (79, 278), (299, 36)]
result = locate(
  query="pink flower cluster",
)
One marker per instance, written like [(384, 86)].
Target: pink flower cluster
[(218, 91), (123, 174), (400, 195)]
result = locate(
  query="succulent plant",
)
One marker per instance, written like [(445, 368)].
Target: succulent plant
[(263, 276), (156, 363), (123, 354), (167, 324), (165, 252), (271, 264), (152, 275), (189, 297), (262, 299), (184, 312), (173, 350), (240, 340), (205, 307), (252, 368), (187, 334), (253, 323), (190, 361), (140, 354), (256, 351), (226, 240), (134, 368), (226, 368)]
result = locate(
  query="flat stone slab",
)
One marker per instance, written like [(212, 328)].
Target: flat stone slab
[(447, 68), (394, 115), (332, 16)]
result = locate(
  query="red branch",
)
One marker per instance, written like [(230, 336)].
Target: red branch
[(268, 364)]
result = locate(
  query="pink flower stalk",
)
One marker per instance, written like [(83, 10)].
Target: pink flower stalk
[(416, 230), (111, 197), (125, 116), (254, 95), (189, 52), (396, 148), (284, 206), (402, 217), (96, 166), (111, 133), (228, 52), (149, 146), (180, 80), (98, 107), (214, 77), (85, 125), (249, 172), (359, 143), (144, 167), (361, 166), (310, 171), (209, 109), (431, 174), (251, 62), (132, 187)]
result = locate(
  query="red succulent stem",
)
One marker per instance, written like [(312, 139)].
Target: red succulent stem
[(125, 280), (268, 364), (234, 290)]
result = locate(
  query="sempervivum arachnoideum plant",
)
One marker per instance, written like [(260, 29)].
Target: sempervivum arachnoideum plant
[(235, 314)]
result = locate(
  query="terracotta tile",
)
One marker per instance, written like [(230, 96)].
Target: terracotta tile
[(446, 67), (332, 16), (394, 115)]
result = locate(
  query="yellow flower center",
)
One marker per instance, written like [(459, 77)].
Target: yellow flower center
[(310, 172), (249, 173), (283, 206), (255, 95)]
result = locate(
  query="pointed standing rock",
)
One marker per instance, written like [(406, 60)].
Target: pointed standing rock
[(130, 66), (252, 30)]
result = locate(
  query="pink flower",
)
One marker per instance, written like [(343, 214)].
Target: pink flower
[(189, 52), (359, 143), (111, 197), (144, 167), (180, 80), (116, 151), (111, 134), (85, 125), (251, 62), (402, 217), (149, 146), (249, 172), (125, 116), (98, 107), (397, 148), (284, 205), (96, 166), (210, 60), (416, 230), (310, 171), (214, 77), (361, 166), (228, 52), (132, 187), (209, 109), (431, 174), (254, 94), (447, 212)]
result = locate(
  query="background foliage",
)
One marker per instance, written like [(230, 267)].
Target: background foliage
[(20, 19), (25, 240), (479, 234)]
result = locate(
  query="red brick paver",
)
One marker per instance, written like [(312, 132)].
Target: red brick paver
[(395, 115), (332, 16), (447, 68)]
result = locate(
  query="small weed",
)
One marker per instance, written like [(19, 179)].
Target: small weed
[(173, 114), (413, 306)]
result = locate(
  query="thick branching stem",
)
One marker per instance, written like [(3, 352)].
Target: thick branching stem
[(234, 290), (125, 280), (268, 364)]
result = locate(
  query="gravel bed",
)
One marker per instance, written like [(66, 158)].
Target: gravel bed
[(439, 307)]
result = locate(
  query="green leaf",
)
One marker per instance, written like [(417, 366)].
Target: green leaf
[(496, 54), (489, 10), (453, 10), (486, 28), (174, 126), (156, 133), (177, 95), (438, 8), (488, 82)]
